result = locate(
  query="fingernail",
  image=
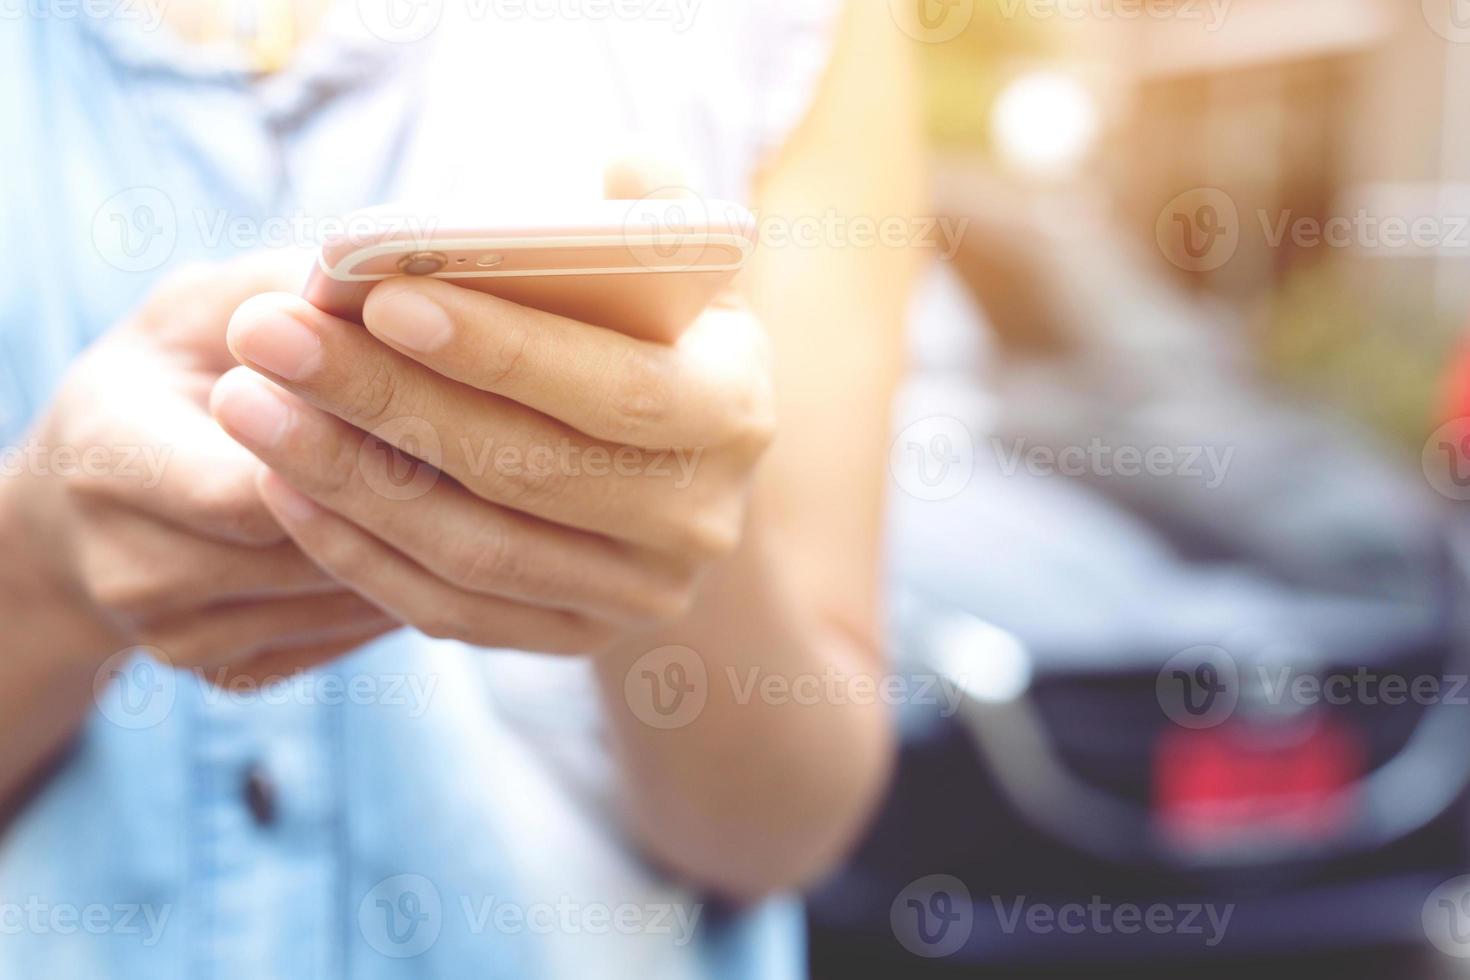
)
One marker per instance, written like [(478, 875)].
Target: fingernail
[(279, 343), (248, 408), (408, 319)]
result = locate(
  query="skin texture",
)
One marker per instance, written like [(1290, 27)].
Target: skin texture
[(185, 558), (589, 495)]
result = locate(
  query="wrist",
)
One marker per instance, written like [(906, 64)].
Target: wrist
[(37, 595)]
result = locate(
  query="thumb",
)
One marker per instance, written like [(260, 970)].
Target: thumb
[(188, 310), (636, 177)]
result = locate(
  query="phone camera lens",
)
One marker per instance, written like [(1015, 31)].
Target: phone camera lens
[(421, 263)]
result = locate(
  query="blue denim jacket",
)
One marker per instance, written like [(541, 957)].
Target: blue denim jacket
[(418, 808)]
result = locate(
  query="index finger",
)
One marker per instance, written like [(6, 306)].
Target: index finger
[(598, 381)]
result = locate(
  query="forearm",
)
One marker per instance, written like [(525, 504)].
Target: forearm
[(775, 776), (49, 654)]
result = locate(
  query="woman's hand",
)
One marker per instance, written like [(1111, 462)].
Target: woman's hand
[(139, 516), (551, 486)]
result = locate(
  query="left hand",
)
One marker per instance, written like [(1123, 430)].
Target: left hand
[(561, 488)]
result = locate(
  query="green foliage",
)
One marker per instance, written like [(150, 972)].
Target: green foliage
[(1379, 352), (962, 77)]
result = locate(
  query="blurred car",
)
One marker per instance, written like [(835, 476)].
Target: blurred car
[(1073, 613)]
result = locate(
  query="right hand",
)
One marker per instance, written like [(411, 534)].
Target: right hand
[(136, 511)]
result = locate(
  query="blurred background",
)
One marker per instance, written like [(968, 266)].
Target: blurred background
[(1176, 530)]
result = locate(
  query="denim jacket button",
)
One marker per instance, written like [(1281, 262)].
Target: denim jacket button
[(260, 796)]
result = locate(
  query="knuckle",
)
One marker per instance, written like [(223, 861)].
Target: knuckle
[(187, 652), (679, 600), (755, 431), (91, 473), (342, 552), (486, 560), (373, 401), (130, 594), (757, 419), (529, 478), (505, 359), (90, 486), (233, 506), (664, 603), (640, 394), (712, 536), (445, 622), (182, 649)]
